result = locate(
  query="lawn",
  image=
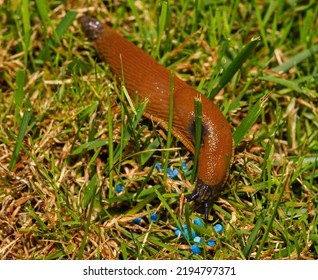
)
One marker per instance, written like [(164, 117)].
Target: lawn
[(84, 175)]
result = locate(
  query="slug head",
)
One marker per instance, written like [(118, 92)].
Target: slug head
[(203, 196), (216, 145), (91, 27)]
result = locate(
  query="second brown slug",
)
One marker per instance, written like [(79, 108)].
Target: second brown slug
[(144, 76)]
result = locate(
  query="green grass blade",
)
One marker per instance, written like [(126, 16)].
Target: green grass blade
[(19, 95), (272, 212), (187, 214), (44, 14), (110, 144), (293, 61), (249, 120), (26, 29), (58, 32), (89, 146), (236, 64), (23, 128), (89, 198), (169, 247), (253, 238), (90, 190), (141, 204), (261, 24), (169, 133), (289, 84), (166, 205), (161, 26), (123, 248), (37, 218), (198, 136), (195, 16), (151, 148), (142, 27), (64, 24)]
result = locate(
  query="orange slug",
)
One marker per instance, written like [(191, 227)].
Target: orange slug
[(144, 76)]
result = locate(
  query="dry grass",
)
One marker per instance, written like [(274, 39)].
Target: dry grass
[(58, 200)]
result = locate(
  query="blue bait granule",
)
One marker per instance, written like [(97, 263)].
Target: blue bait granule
[(184, 167), (195, 249), (172, 173), (178, 232), (198, 222), (159, 166), (218, 228), (211, 242), (119, 188), (137, 221), (197, 239), (153, 217)]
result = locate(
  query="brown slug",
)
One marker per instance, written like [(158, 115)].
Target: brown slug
[(143, 75)]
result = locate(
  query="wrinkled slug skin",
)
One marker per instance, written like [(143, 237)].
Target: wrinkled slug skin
[(141, 73)]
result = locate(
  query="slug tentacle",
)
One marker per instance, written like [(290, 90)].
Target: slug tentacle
[(141, 73)]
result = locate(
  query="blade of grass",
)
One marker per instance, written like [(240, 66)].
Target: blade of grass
[(261, 24), (146, 180), (93, 187), (236, 103), (123, 249), (273, 211), (222, 211), (58, 32), (142, 27), (19, 95), (64, 24), (167, 46), (169, 132), (35, 216), (130, 131), (44, 15), (249, 120), (89, 146), (195, 16), (123, 130), (127, 96), (166, 205), (253, 238), (187, 221), (26, 29), (140, 205), (289, 84), (149, 196), (89, 191), (168, 247), (132, 119), (236, 64), (161, 26), (110, 144), (293, 61), (198, 136), (23, 128), (149, 151)]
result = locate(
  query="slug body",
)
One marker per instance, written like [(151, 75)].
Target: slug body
[(144, 76)]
